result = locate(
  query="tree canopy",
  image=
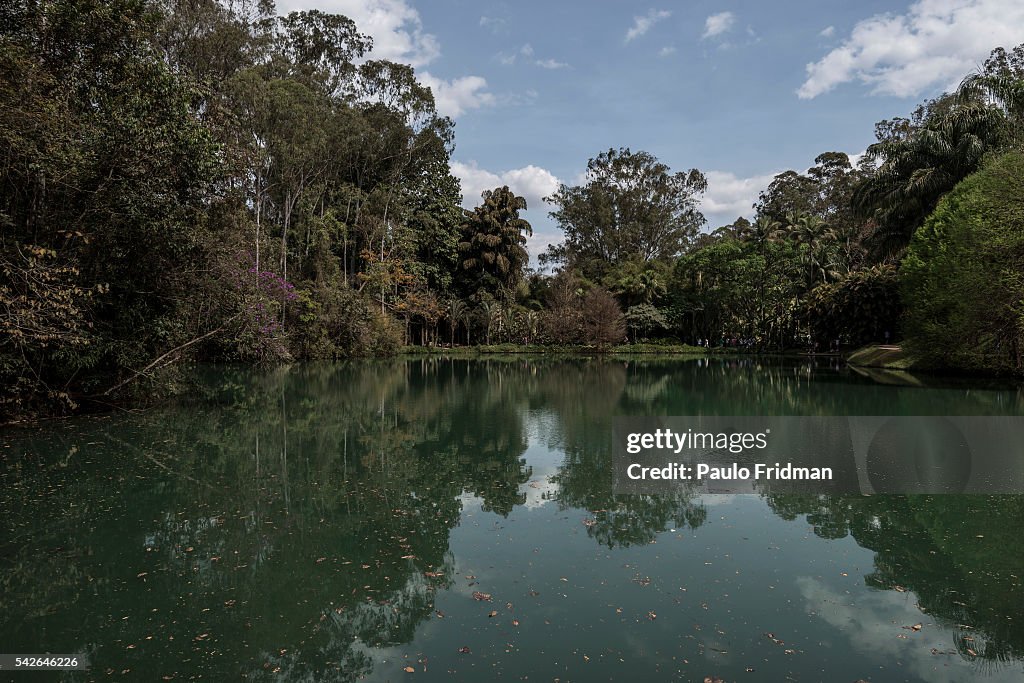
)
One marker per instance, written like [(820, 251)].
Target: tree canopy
[(631, 207)]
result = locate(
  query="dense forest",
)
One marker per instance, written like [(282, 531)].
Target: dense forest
[(204, 180)]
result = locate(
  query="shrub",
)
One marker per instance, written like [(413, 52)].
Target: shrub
[(603, 322), (962, 279)]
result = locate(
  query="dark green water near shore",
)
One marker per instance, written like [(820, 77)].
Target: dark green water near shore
[(456, 518)]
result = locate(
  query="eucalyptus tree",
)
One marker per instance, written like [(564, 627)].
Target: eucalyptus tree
[(630, 207)]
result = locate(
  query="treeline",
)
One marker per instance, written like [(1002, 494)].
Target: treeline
[(195, 179), (198, 179), (837, 256)]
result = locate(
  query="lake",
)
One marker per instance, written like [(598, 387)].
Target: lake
[(449, 519)]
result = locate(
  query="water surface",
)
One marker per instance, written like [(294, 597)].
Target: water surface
[(455, 518)]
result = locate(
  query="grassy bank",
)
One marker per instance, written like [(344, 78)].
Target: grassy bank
[(545, 349)]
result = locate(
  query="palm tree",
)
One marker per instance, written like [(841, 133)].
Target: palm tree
[(493, 243), (507, 319), (809, 232), (456, 314), (921, 166), (761, 231), (531, 321), (489, 311)]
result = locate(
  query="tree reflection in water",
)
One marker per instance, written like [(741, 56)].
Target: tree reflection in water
[(289, 523)]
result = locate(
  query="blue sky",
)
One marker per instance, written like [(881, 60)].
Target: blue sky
[(739, 90)]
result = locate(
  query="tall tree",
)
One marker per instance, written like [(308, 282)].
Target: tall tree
[(493, 244), (631, 207), (919, 162)]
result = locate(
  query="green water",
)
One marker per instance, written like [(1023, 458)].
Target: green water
[(333, 523)]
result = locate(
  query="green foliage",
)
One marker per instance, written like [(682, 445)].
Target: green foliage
[(645, 319), (944, 142), (493, 243), (631, 208), (856, 310), (105, 173), (962, 277)]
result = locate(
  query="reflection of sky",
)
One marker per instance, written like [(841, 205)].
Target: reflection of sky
[(717, 590), (542, 458), (874, 624)]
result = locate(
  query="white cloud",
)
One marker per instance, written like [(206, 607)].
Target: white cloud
[(492, 23), (643, 24), (456, 96), (828, 32), (729, 196), (527, 51), (666, 51), (935, 43), (551, 64), (717, 24), (394, 25), (398, 35), (531, 182)]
